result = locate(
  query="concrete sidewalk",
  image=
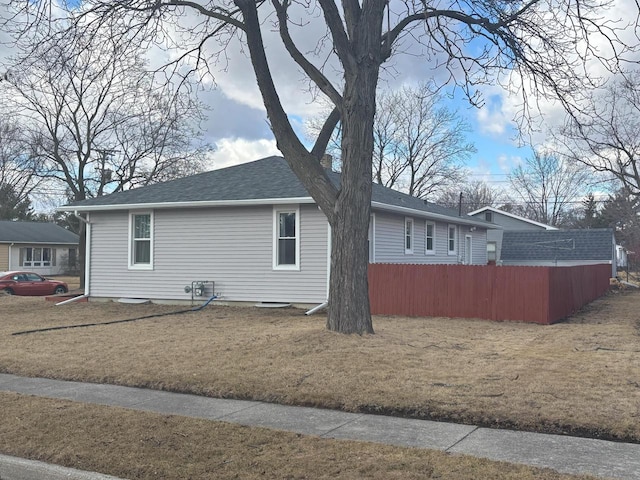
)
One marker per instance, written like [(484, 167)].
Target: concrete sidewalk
[(562, 453)]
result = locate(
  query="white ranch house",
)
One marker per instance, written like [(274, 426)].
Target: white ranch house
[(255, 231), (40, 247)]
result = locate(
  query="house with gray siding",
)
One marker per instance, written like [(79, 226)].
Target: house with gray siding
[(40, 247), (504, 221), (561, 248), (520, 241), (254, 231)]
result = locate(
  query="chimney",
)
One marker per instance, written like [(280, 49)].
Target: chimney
[(327, 161)]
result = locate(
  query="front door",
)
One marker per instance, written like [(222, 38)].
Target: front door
[(468, 260)]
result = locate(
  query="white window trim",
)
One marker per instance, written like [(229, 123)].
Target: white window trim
[(468, 261), (433, 237), (372, 240), (495, 251), (33, 263), (455, 239), (407, 220), (276, 211), (140, 266)]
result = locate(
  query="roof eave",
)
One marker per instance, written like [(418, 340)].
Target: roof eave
[(166, 205), (434, 216), (29, 242), (513, 215)]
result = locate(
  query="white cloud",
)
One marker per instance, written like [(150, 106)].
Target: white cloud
[(234, 151), (492, 121), (508, 162)]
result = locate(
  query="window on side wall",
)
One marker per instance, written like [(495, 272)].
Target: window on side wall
[(37, 257), (453, 230), (141, 241), (408, 236), (430, 238), (491, 252), (286, 254), (371, 247)]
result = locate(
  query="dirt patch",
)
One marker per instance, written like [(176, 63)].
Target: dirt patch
[(139, 445), (580, 377)]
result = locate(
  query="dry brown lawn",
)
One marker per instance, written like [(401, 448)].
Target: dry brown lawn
[(139, 445), (581, 376)]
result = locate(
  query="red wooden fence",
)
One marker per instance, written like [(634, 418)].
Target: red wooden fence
[(529, 294)]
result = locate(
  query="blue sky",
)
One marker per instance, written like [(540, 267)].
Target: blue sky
[(238, 128)]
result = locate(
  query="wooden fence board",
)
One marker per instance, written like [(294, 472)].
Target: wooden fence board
[(529, 294)]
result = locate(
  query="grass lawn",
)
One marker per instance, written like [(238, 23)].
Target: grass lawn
[(581, 376)]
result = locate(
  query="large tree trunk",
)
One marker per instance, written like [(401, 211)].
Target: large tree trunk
[(349, 310)]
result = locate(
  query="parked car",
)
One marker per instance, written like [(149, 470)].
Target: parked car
[(29, 283)]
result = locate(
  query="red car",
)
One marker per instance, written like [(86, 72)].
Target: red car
[(29, 283)]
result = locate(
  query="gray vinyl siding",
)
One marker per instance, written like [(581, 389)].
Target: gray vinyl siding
[(509, 223), (231, 246), (389, 241)]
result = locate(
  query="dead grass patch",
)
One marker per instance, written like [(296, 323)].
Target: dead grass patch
[(139, 445), (580, 377)]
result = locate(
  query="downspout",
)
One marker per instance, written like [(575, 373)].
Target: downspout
[(87, 261), (9, 259), (87, 251), (325, 303)]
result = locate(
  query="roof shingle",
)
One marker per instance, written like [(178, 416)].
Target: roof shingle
[(268, 178), (35, 232), (583, 244)]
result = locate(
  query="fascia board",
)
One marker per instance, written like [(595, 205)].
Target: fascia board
[(166, 205), (513, 215), (433, 216), (27, 242)]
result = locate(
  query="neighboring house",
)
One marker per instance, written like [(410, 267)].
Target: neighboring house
[(504, 221), (44, 248), (560, 247), (256, 232), (520, 241)]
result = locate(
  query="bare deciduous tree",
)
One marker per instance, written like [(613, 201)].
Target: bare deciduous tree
[(17, 170), (93, 121), (546, 187), (419, 144), (475, 195), (606, 136), (543, 42)]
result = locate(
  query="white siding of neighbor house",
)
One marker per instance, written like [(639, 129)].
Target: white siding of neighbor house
[(61, 261), (232, 246), (389, 242)]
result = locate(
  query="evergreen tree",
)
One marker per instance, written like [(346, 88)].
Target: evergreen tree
[(11, 207)]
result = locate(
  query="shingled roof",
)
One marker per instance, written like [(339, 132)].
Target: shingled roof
[(266, 179), (584, 244), (36, 233)]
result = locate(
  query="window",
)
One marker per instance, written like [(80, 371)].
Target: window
[(371, 239), (488, 216), (408, 236), (141, 245), (491, 252), (286, 239), (468, 250), (37, 257), (430, 238), (72, 258), (452, 239)]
